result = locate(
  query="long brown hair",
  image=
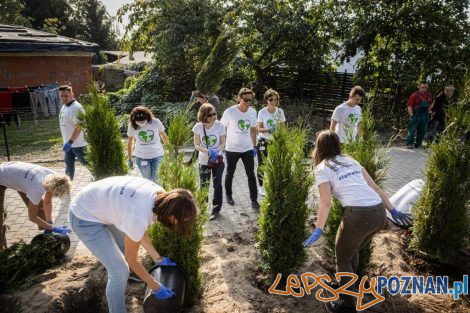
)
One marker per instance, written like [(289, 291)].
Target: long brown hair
[(178, 203), (204, 112), (327, 147)]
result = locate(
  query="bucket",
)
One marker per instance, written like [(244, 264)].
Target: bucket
[(172, 277), (61, 242)]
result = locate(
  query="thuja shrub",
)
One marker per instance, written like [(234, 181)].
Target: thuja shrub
[(105, 151), (174, 173), (368, 152), (287, 180), (21, 262), (442, 217)]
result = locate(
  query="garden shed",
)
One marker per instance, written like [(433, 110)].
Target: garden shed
[(32, 58)]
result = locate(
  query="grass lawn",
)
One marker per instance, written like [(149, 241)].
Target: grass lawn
[(30, 138)]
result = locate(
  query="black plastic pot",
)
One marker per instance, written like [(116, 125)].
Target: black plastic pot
[(61, 242), (173, 278)]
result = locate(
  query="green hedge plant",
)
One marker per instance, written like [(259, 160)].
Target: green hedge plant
[(174, 173), (442, 217), (287, 180), (105, 152)]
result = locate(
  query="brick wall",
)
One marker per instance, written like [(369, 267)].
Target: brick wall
[(35, 69)]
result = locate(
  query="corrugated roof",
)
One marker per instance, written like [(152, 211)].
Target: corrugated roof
[(23, 39)]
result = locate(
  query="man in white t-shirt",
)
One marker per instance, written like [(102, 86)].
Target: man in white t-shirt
[(346, 118), (36, 185), (72, 135), (240, 123)]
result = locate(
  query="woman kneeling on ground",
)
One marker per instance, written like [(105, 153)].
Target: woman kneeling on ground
[(111, 217), (364, 205)]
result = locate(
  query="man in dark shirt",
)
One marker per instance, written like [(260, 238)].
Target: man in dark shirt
[(438, 108)]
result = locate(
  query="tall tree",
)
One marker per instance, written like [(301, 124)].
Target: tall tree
[(406, 40), (95, 24), (274, 34), (11, 13), (50, 15), (181, 34)]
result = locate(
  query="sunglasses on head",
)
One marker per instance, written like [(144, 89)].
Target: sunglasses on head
[(212, 114)]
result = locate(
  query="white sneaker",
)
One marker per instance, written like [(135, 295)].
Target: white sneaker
[(261, 191)]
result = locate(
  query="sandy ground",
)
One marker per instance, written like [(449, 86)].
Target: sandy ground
[(232, 283)]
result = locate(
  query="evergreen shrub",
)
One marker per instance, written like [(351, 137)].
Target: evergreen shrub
[(105, 151), (174, 173), (287, 181), (442, 218)]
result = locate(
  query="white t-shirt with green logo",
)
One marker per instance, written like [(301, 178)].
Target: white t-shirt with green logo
[(270, 120), (212, 138), (147, 139), (347, 118), (238, 126), (123, 201), (68, 121), (25, 177)]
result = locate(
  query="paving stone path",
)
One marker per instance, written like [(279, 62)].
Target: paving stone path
[(405, 165)]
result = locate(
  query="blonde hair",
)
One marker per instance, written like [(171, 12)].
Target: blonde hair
[(58, 184)]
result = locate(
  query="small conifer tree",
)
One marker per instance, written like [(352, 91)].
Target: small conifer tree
[(442, 218), (287, 181), (174, 173), (368, 152), (216, 67), (105, 151)]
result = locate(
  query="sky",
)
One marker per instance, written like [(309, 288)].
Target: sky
[(112, 6)]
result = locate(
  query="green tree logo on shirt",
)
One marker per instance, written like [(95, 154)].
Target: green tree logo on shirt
[(209, 140), (61, 116), (271, 124), (146, 136), (244, 125), (352, 119)]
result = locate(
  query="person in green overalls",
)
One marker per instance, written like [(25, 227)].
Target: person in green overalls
[(418, 108)]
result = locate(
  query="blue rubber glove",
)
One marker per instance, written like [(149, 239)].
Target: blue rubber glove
[(163, 293), (401, 218), (67, 147), (254, 152), (61, 230), (166, 261), (313, 237), (213, 153), (130, 164)]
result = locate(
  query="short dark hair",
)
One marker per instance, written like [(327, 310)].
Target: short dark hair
[(140, 113), (357, 91), (65, 88), (180, 204), (423, 82), (204, 111)]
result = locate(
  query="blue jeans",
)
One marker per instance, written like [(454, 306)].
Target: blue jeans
[(106, 242), (149, 170), (204, 175), (69, 158)]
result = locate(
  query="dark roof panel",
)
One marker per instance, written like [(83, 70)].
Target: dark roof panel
[(22, 39)]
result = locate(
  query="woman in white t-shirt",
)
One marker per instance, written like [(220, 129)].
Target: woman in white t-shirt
[(145, 131), (268, 119), (37, 185), (364, 203), (111, 217), (209, 140)]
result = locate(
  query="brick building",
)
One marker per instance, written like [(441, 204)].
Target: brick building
[(30, 58)]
